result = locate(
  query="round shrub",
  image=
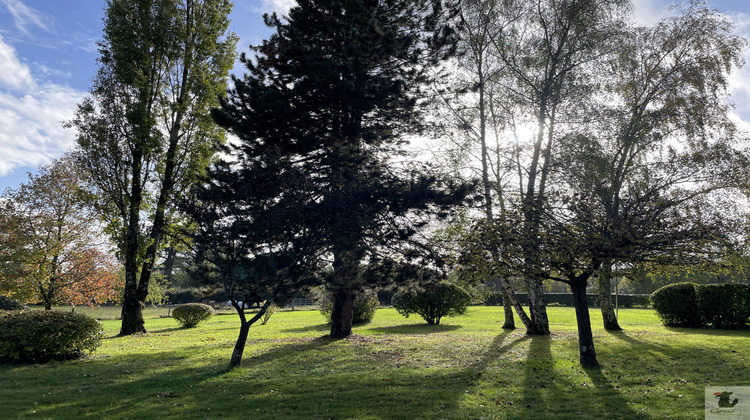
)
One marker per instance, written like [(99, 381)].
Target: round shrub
[(432, 302), (10, 304), (676, 305), (190, 314), (724, 305), (365, 305), (47, 335)]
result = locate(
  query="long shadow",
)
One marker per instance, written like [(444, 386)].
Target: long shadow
[(135, 386), (309, 328), (415, 329), (736, 332)]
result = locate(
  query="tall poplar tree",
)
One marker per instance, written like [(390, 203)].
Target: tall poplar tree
[(146, 131), (335, 93)]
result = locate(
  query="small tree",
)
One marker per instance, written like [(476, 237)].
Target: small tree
[(432, 302), (49, 247)]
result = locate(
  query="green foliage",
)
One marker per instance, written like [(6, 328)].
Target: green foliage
[(724, 305), (46, 335), (432, 302), (190, 314), (272, 308), (676, 305), (365, 305), (10, 304)]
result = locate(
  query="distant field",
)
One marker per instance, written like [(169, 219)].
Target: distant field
[(394, 368)]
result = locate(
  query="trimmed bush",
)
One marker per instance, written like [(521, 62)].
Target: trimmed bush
[(39, 336), (365, 305), (10, 304), (191, 314), (724, 305), (432, 302), (676, 305)]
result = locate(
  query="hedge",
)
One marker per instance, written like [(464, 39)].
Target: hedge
[(39, 336), (10, 304), (694, 305), (724, 305)]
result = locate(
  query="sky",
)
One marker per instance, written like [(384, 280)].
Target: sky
[(48, 52)]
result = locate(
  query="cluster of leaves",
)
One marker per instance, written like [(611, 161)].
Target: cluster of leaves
[(47, 335), (693, 305), (365, 305), (432, 301), (191, 314)]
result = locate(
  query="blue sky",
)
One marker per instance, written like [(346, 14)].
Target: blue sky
[(48, 57)]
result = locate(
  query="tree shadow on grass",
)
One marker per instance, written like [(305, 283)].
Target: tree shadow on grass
[(415, 329), (733, 332), (134, 386), (309, 328)]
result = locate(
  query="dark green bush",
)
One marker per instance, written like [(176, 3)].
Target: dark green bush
[(190, 314), (676, 305), (10, 304), (432, 302), (365, 305), (47, 335), (724, 305)]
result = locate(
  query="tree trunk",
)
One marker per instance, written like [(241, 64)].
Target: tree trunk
[(585, 336), (132, 308), (605, 298), (132, 314), (537, 309), (343, 313), (510, 322), (239, 346), (513, 300)]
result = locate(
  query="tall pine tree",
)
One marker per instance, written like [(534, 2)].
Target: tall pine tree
[(335, 94)]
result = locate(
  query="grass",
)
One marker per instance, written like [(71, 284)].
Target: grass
[(394, 368)]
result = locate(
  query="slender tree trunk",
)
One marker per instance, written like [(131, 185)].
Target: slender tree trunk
[(343, 312), (605, 298), (239, 346), (169, 264), (132, 307), (510, 322), (585, 336), (513, 299)]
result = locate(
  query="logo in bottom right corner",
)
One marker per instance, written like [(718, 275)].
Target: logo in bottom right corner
[(729, 402)]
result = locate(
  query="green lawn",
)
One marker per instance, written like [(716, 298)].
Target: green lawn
[(394, 368)]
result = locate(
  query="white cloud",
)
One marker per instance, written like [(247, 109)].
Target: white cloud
[(281, 7), (14, 75), (31, 114), (648, 12), (25, 16)]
